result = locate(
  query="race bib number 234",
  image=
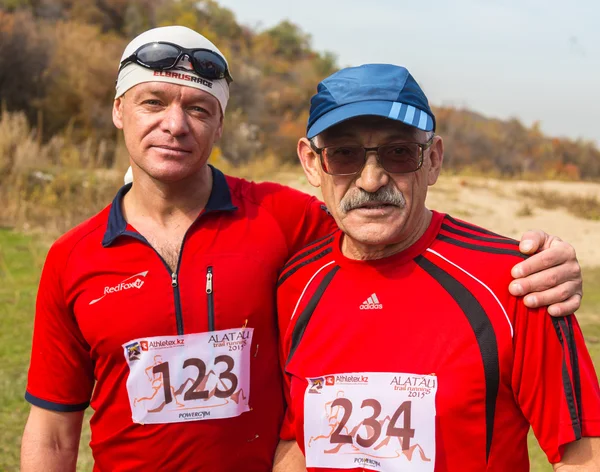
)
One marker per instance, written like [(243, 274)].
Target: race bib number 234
[(378, 421), (201, 376)]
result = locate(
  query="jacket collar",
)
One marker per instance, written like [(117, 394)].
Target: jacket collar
[(219, 200)]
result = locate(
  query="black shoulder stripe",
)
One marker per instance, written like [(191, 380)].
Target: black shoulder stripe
[(484, 334), (472, 227), (488, 239), (479, 247), (290, 272), (575, 365), (567, 386), (305, 316), (312, 243), (306, 253)]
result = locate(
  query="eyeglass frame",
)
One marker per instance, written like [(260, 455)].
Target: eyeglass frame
[(422, 148), (133, 58)]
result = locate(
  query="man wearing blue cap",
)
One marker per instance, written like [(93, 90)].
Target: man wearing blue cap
[(403, 349)]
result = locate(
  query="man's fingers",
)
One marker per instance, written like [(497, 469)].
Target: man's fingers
[(558, 253), (531, 241), (567, 292), (567, 307), (541, 281)]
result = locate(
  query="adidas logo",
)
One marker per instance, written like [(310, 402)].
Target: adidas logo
[(371, 303)]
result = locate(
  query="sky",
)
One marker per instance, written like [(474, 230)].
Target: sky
[(530, 59)]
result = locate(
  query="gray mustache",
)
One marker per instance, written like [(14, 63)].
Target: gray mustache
[(384, 196)]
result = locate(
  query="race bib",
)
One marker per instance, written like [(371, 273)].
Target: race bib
[(173, 379), (378, 421)]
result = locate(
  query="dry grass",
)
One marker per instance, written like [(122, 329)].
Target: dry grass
[(524, 210), (582, 206), (261, 169), (51, 186)]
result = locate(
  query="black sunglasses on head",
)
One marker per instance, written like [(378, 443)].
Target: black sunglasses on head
[(161, 55)]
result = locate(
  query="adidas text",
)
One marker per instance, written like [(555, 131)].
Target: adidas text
[(371, 303), (371, 306)]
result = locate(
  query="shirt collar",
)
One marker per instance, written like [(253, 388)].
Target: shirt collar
[(219, 200)]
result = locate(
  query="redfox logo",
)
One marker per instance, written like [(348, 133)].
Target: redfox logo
[(124, 285)]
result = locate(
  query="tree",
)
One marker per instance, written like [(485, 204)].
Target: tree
[(24, 57)]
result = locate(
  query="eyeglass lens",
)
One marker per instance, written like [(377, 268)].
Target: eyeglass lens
[(158, 55), (164, 56), (210, 63), (394, 158)]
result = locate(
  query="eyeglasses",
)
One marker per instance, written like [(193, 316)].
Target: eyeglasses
[(164, 56), (395, 158)]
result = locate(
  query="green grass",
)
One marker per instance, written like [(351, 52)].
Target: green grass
[(21, 260)]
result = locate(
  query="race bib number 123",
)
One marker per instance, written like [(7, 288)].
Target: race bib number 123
[(173, 379)]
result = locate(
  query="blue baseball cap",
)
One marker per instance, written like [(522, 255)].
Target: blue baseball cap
[(371, 89)]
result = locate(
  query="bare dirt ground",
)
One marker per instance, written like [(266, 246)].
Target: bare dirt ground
[(498, 206)]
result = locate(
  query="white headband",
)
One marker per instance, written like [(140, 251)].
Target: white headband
[(133, 74)]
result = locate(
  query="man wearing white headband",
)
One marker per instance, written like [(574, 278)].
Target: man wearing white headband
[(160, 310)]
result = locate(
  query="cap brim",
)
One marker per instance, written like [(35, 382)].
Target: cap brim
[(402, 112)]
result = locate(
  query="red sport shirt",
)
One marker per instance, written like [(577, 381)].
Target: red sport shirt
[(104, 285), (440, 307)]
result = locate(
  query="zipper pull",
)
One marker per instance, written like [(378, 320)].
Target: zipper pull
[(209, 280), (174, 280)]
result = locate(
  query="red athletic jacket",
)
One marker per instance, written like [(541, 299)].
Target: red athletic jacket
[(423, 360)]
